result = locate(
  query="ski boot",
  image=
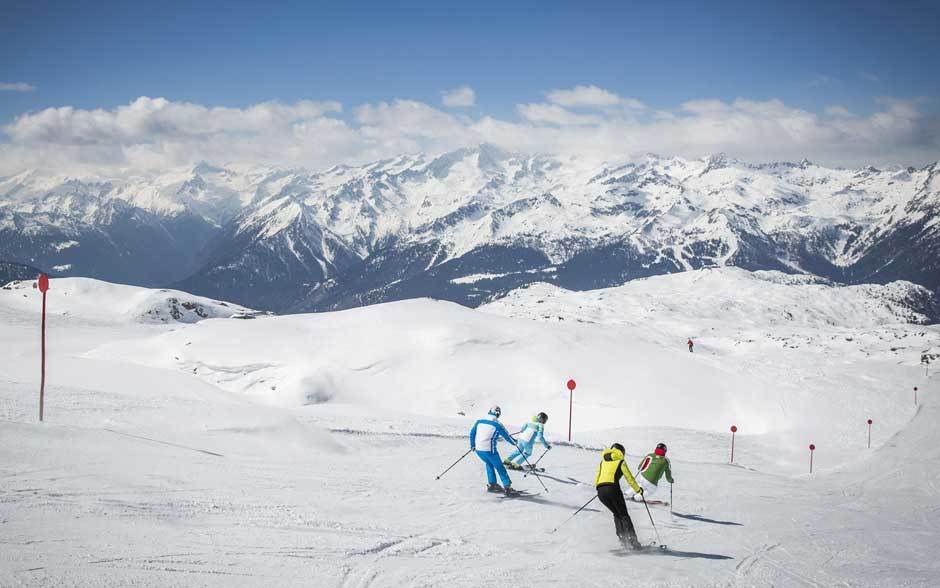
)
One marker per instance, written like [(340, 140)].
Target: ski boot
[(630, 541), (510, 491), (496, 488)]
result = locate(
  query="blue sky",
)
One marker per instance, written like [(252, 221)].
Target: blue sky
[(808, 55)]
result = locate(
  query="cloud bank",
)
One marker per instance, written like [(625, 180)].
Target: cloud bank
[(16, 87), (586, 121), (459, 97)]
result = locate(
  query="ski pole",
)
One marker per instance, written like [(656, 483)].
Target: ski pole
[(575, 513), (659, 539), (455, 463), (535, 464), (537, 477), (670, 498)]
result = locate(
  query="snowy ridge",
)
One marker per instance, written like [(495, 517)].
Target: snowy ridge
[(729, 295), (99, 302)]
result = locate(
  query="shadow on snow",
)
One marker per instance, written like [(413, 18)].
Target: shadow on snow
[(669, 552), (702, 519)]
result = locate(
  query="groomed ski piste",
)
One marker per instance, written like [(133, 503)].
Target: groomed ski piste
[(188, 450)]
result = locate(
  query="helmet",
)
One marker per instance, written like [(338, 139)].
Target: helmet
[(542, 418), (618, 447), (495, 411), (661, 449)]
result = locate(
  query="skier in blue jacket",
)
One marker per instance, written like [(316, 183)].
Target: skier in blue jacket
[(531, 432), (485, 434)]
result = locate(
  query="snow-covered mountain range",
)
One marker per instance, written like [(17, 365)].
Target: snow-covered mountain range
[(470, 225)]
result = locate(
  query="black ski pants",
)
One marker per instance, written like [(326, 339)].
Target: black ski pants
[(612, 498)]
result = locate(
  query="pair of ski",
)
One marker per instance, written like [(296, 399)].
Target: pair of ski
[(657, 502), (518, 468), (519, 494), (648, 548)]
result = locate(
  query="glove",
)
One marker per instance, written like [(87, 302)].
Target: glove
[(549, 448), (640, 491), (473, 448)]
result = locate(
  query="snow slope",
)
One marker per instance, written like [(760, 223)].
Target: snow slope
[(301, 450)]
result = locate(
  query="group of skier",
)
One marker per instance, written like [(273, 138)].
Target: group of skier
[(487, 431), (484, 435)]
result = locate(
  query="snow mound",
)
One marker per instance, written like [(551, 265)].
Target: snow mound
[(730, 295), (440, 359), (102, 302), (793, 362)]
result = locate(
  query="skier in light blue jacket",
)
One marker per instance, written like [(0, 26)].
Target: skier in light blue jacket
[(483, 438), (532, 431)]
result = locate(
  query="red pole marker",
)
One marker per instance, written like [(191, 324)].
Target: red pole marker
[(43, 287), (734, 429), (812, 448), (869, 433), (571, 386)]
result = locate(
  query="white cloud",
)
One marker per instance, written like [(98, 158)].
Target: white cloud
[(16, 87), (155, 133), (462, 97), (869, 77), (705, 106), (838, 110), (555, 115), (590, 97), (146, 119), (581, 106)]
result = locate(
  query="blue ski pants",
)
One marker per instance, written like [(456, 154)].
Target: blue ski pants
[(525, 449), (494, 466)]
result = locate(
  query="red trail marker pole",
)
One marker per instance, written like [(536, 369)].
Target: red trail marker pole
[(869, 433), (812, 448), (43, 287), (571, 386), (734, 429)]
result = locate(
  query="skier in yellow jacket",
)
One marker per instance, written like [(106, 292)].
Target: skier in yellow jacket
[(607, 482)]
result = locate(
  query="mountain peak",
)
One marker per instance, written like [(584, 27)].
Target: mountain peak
[(204, 167)]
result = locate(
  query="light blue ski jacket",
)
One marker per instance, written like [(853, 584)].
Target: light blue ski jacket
[(533, 431)]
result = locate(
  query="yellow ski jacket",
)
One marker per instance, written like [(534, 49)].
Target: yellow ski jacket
[(611, 468)]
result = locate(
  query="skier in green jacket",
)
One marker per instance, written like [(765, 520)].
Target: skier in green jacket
[(651, 470)]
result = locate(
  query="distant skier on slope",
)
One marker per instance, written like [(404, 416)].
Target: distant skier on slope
[(607, 483), (650, 472), (485, 434), (531, 432), (690, 344)]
